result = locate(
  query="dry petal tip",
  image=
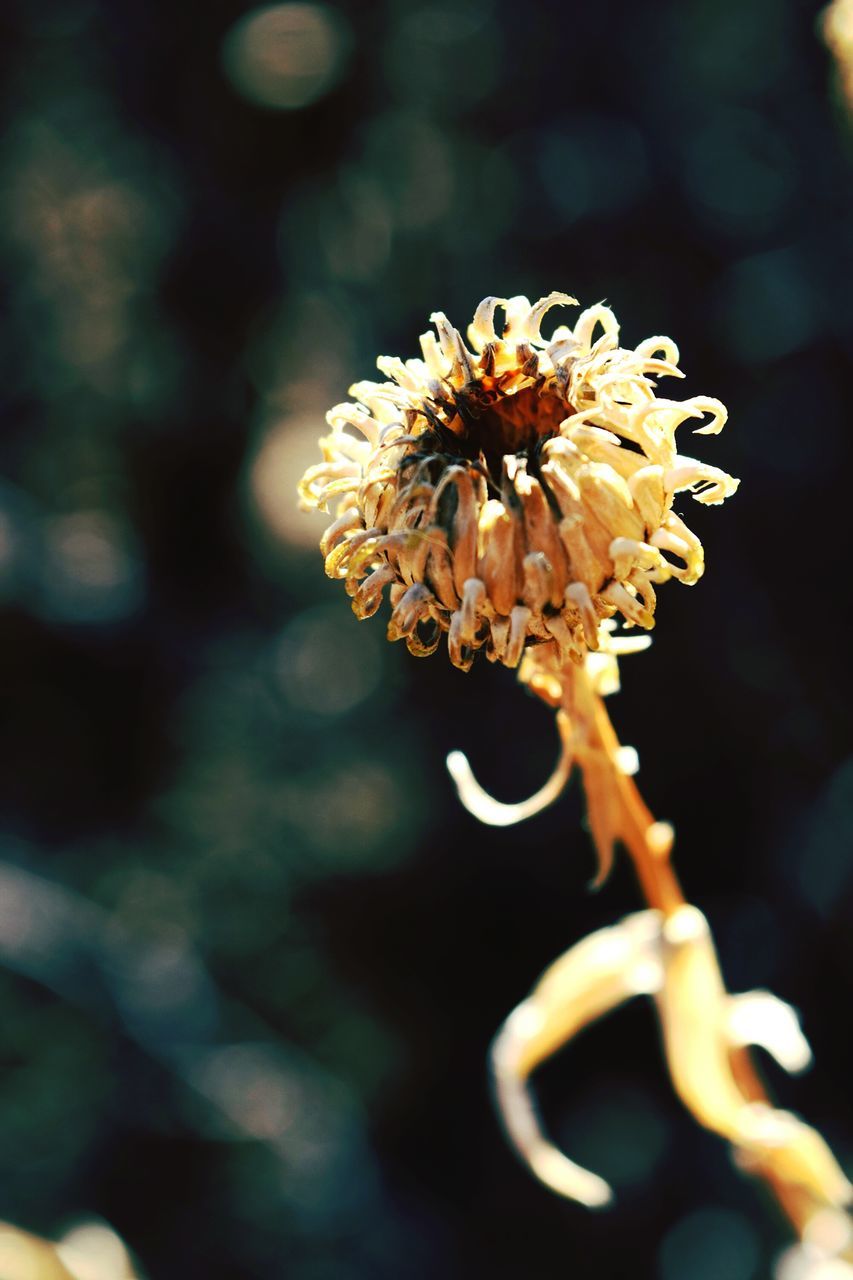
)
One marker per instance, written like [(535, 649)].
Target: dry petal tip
[(760, 1018), (718, 411), (550, 1165), (493, 812), (627, 761), (539, 310), (522, 1125), (594, 976), (660, 837)]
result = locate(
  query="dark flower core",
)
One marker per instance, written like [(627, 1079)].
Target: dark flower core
[(484, 424)]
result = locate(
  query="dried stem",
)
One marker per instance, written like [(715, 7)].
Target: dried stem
[(617, 812)]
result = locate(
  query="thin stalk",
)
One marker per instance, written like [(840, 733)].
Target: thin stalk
[(618, 813)]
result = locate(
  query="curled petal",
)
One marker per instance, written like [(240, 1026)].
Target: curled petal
[(460, 651), (593, 977), (368, 596), (324, 480), (543, 537), (424, 646), (412, 606), (567, 646), (538, 312), (589, 319), (354, 415), (500, 555), (387, 403), (641, 581), (345, 523), (586, 565), (473, 599), (339, 559), (538, 579), (433, 358), (523, 1127), (718, 411), (649, 348), (439, 568), (675, 537), (604, 446), (394, 367), (492, 812), (559, 351), (517, 310), (629, 606), (647, 490), (709, 485), (628, 554), (453, 348), (518, 620), (464, 524), (481, 331), (760, 1018), (577, 594)]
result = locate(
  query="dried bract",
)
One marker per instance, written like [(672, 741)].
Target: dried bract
[(674, 960)]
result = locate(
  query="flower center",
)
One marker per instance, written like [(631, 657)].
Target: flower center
[(489, 424)]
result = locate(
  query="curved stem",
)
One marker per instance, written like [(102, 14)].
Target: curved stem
[(617, 812)]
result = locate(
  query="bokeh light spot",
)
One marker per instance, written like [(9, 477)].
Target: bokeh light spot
[(769, 306), (288, 449), (709, 1244), (355, 814), (740, 173), (414, 162), (443, 57), (592, 165), (286, 55), (91, 573), (621, 1132), (325, 669), (825, 864)]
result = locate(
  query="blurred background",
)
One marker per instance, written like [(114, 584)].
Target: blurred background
[(252, 951)]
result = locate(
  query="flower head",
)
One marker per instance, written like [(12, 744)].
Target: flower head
[(515, 492)]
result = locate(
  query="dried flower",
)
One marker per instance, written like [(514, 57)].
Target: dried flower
[(515, 494), (518, 496)]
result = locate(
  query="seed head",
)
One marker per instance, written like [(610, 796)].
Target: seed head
[(515, 493)]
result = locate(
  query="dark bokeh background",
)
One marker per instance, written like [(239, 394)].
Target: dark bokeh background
[(253, 952)]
